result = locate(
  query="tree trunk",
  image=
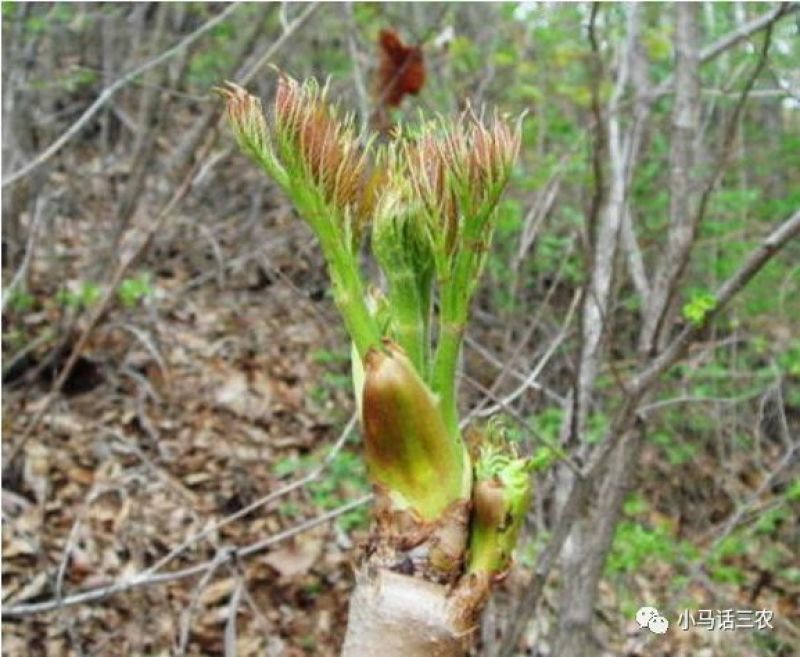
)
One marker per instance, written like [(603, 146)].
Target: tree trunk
[(587, 550), (394, 615), (588, 546)]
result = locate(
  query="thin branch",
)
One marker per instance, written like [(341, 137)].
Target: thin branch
[(188, 613), (746, 30), (183, 189), (33, 234), (769, 247), (266, 499), (641, 383), (144, 579), (733, 38), (509, 370), (358, 74), (230, 625), (530, 380), (248, 75), (692, 399), (109, 92)]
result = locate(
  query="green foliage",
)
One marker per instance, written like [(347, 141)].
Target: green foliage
[(658, 43), (697, 308), (344, 478), (789, 360), (720, 564), (544, 458), (465, 56), (793, 492), (677, 450), (597, 427), (640, 545), (636, 545), (82, 295), (20, 300), (769, 521), (333, 381), (547, 423), (133, 289), (330, 357)]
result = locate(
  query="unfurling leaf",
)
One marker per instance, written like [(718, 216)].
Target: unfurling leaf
[(500, 498)]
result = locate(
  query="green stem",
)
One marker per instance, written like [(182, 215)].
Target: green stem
[(425, 286), (348, 286), (350, 297), (407, 309), (455, 293), (443, 378)]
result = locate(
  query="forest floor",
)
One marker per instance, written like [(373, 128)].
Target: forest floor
[(228, 380)]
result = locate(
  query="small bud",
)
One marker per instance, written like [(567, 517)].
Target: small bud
[(246, 118), (326, 147), (407, 446), (500, 498), (458, 171), (493, 153)]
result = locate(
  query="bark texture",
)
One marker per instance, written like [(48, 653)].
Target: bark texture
[(394, 615)]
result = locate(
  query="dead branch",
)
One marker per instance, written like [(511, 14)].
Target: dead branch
[(109, 92), (226, 556), (641, 383)]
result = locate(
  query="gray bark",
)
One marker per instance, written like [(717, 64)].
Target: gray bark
[(682, 210), (582, 557), (394, 615), (586, 549)]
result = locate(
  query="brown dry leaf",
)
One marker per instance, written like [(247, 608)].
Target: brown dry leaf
[(296, 558), (83, 476), (218, 591), (66, 423), (36, 472), (31, 589), (247, 399), (18, 547)]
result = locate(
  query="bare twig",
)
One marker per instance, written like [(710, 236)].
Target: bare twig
[(109, 92), (733, 38), (510, 370), (188, 613), (266, 499), (33, 233), (358, 74), (230, 624), (145, 579), (537, 370), (507, 368), (637, 387), (248, 75)]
